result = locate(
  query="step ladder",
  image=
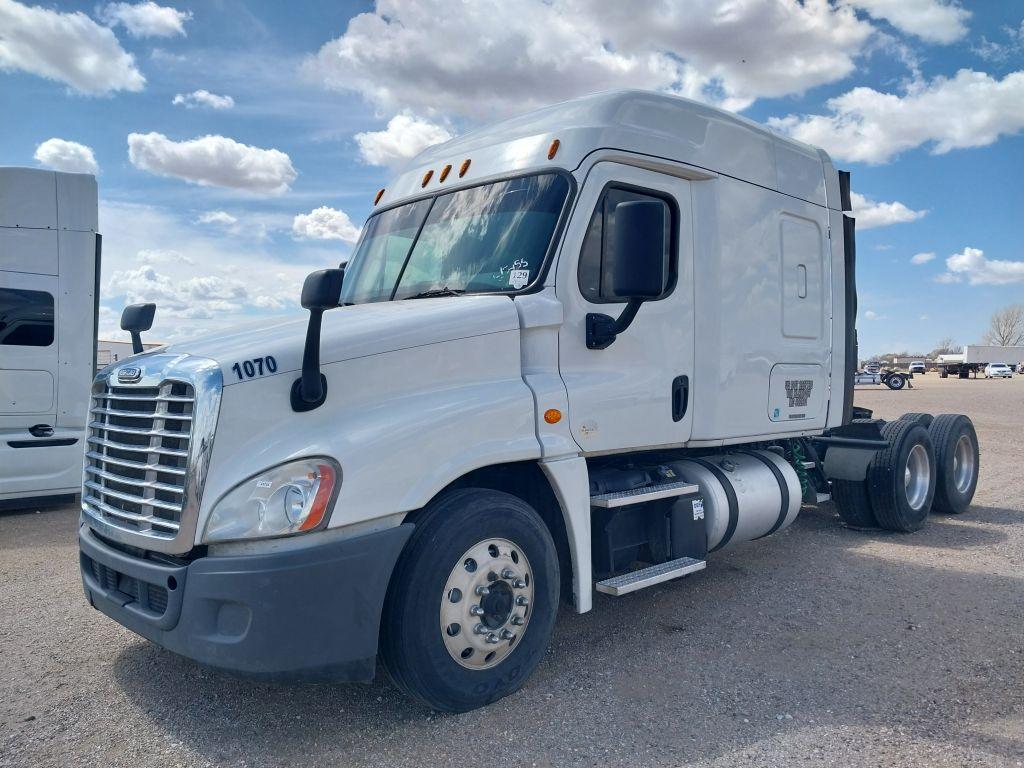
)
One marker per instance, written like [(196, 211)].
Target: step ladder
[(654, 574)]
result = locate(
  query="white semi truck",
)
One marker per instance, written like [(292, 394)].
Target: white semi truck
[(49, 273), (575, 352)]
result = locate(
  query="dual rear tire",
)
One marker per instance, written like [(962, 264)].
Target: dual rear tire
[(930, 464)]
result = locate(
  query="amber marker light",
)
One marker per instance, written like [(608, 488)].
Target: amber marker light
[(426, 177), (323, 496), (464, 167), (444, 172), (553, 149), (380, 194), (552, 415)]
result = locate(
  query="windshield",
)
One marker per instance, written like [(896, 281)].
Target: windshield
[(486, 239)]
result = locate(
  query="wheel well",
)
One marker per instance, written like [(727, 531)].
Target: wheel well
[(526, 481)]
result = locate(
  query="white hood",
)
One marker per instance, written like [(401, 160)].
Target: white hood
[(356, 331)]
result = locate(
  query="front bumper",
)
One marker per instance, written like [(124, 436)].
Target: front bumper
[(311, 614)]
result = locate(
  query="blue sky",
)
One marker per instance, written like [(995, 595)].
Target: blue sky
[(290, 116)]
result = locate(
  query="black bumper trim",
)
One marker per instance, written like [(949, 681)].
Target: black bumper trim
[(310, 614)]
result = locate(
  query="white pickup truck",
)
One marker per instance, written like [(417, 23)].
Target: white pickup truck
[(575, 352)]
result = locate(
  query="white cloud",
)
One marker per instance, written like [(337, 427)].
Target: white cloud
[(923, 318), (936, 21), (213, 161), (405, 137), (495, 58), (70, 48), (992, 50), (972, 109), (972, 266), (203, 98), (252, 279), (217, 217), (870, 315), (325, 223), (145, 19), (67, 156), (922, 258), (870, 214)]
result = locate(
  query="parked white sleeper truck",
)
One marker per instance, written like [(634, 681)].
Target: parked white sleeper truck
[(49, 268), (576, 351)]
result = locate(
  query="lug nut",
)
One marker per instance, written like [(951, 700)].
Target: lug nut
[(476, 610), (482, 590), (516, 620), (492, 638), (508, 573), (507, 634), (522, 600), (519, 584), (480, 629)]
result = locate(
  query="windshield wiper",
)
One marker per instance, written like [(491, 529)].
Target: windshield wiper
[(446, 291)]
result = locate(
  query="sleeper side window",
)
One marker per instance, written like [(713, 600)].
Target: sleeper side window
[(26, 318), (597, 257)]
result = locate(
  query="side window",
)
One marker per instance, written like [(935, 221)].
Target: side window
[(26, 318), (597, 257)]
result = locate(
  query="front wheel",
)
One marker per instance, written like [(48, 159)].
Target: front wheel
[(472, 602)]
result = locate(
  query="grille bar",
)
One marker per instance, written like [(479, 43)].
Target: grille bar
[(140, 500), (146, 398), (125, 480), (138, 414), (131, 516), (140, 448), (139, 465), (136, 430)]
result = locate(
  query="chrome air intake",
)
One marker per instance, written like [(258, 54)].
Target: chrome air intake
[(151, 429)]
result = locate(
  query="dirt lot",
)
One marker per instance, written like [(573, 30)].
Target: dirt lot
[(821, 646)]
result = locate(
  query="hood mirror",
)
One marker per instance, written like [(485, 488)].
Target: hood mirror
[(320, 292), (137, 318)]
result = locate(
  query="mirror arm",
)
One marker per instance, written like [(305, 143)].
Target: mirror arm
[(136, 342), (602, 329), (310, 390)]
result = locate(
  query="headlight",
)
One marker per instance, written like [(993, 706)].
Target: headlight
[(290, 498)]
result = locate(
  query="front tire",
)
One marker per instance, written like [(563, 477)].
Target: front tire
[(472, 602)]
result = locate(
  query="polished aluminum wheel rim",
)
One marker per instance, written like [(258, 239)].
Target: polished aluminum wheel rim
[(917, 477), (963, 464), (486, 603)]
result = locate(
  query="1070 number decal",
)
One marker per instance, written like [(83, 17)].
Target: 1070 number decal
[(258, 366)]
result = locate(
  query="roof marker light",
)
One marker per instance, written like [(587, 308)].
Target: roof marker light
[(444, 173), (464, 167), (553, 149), (426, 177), (380, 194)]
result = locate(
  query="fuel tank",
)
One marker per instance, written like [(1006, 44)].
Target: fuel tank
[(747, 494)]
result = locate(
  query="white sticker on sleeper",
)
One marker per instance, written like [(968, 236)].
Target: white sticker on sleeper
[(517, 278)]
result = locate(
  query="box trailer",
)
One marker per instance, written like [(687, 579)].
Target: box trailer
[(975, 357), (49, 272), (575, 353)]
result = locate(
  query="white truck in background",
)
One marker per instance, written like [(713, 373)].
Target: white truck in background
[(49, 293), (576, 352)]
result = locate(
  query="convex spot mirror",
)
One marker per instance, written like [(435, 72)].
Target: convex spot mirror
[(135, 319)]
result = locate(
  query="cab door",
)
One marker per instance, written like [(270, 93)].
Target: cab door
[(636, 392)]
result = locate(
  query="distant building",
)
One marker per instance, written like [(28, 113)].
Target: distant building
[(108, 352)]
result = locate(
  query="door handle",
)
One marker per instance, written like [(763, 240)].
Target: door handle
[(680, 397)]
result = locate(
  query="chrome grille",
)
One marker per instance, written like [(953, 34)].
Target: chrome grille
[(137, 457), (151, 429)]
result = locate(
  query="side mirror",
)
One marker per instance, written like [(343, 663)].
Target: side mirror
[(640, 270), (137, 318), (320, 292)]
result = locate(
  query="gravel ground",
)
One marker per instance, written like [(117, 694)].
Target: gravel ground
[(820, 646)]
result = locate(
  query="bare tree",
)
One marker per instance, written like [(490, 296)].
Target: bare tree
[(946, 347), (1006, 328)]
